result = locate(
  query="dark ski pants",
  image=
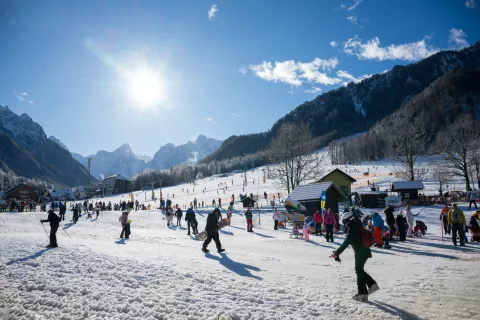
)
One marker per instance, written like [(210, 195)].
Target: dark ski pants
[(212, 235), (191, 224), (275, 224), (318, 229), (446, 227), (329, 235), (123, 231), (470, 204), (458, 228), (53, 236), (363, 279), (62, 216), (179, 221), (75, 218), (401, 232)]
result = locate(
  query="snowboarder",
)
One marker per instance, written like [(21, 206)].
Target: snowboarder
[(63, 210), (329, 220), (456, 219), (318, 219), (54, 223), (179, 215), (212, 231), (365, 284), (249, 216), (124, 221)]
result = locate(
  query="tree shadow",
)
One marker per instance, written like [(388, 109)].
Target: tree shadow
[(425, 253), (237, 228), (263, 235), (31, 257), (450, 246), (228, 233), (240, 269), (121, 241), (394, 311), (68, 225)]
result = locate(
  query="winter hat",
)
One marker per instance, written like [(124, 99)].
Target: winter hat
[(51, 211)]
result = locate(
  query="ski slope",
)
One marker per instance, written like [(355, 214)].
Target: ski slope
[(161, 273)]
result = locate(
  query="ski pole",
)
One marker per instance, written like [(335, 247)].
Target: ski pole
[(65, 231), (45, 229)]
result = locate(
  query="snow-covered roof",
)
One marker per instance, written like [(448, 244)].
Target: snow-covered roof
[(404, 185), (312, 191), (118, 177), (59, 193)]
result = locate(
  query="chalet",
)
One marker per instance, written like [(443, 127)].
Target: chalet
[(117, 184), (370, 199), (248, 202), (309, 196), (21, 192), (408, 190), (341, 179), (60, 195)]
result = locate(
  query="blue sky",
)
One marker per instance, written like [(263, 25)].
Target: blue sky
[(97, 74)]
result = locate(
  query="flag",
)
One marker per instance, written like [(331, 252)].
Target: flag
[(323, 199)]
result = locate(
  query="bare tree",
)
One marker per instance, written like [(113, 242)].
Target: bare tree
[(459, 142), (440, 173), (408, 141), (292, 153)]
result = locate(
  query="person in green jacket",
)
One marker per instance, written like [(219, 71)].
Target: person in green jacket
[(456, 219), (249, 216), (365, 283)]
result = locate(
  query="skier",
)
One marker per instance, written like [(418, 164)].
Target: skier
[(402, 224), (212, 231), (456, 219), (54, 223), (63, 209), (124, 221), (75, 214), (179, 215), (329, 220), (249, 216), (136, 205), (362, 253), (410, 220), (317, 218), (444, 218), (190, 218), (390, 219)]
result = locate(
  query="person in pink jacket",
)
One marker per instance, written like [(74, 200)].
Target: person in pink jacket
[(329, 221), (318, 219), (306, 232)]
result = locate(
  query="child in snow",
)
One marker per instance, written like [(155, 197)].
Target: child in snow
[(420, 228), (306, 231), (377, 223), (229, 214), (169, 215), (249, 217), (295, 231)]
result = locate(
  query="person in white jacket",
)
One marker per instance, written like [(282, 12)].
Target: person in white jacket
[(276, 218), (410, 220)]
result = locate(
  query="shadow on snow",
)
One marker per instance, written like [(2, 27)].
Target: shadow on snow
[(239, 268), (31, 257)]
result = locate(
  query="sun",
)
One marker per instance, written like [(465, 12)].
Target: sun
[(144, 87)]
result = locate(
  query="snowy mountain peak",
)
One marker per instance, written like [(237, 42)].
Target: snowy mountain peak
[(22, 127), (124, 148), (57, 141)]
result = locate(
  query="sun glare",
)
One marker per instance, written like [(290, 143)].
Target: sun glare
[(145, 88)]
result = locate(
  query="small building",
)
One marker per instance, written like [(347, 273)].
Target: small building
[(341, 179), (116, 184), (21, 192), (309, 196), (370, 199), (248, 202), (81, 192), (408, 190), (60, 195)]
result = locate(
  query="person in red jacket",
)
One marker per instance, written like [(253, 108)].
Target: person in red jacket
[(329, 220), (318, 219)]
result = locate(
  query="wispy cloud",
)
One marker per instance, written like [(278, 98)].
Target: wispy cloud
[(296, 73), (23, 97), (238, 114), (314, 91), (355, 4), (371, 50), (457, 39), (353, 19), (348, 76), (471, 4), (212, 12), (243, 70), (334, 44), (211, 120)]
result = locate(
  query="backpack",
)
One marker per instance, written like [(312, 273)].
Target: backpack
[(367, 238), (455, 214)]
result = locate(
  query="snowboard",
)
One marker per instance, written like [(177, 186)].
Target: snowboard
[(203, 235)]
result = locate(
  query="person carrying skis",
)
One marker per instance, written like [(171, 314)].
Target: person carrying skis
[(444, 218), (179, 215), (212, 231), (365, 283), (329, 220), (456, 219), (389, 218), (124, 221), (318, 219), (249, 216), (54, 224), (63, 210)]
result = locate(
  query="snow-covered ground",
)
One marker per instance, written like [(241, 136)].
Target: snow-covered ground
[(161, 273)]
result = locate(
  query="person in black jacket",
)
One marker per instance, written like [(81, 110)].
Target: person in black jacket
[(366, 285), (402, 224), (63, 210), (75, 214), (190, 218), (389, 218), (212, 231), (179, 215), (54, 223)]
